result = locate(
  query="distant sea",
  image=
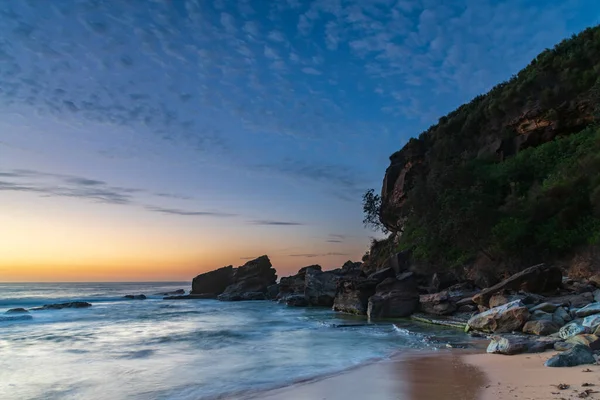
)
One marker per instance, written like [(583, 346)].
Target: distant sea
[(184, 349)]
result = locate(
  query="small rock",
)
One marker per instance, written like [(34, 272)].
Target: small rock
[(572, 329), (541, 327), (563, 346), (545, 307), (578, 355), (135, 296), (506, 346), (17, 311), (590, 309)]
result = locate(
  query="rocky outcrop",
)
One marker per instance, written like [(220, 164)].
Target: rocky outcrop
[(352, 295), (320, 287), (178, 292), (537, 279), (213, 282), (250, 281), (60, 306), (394, 298), (506, 318)]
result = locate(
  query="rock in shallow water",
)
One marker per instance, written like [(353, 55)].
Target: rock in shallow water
[(135, 296), (74, 304), (578, 355), (17, 311)]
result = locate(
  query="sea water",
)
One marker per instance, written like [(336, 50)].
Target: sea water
[(177, 349)]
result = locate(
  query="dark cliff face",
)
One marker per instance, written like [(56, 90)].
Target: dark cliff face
[(555, 96)]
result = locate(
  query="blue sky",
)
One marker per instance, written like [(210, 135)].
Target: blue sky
[(228, 129)]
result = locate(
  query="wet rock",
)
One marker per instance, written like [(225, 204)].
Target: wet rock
[(590, 309), (135, 296), (296, 300), (537, 279), (437, 304), (353, 295), (320, 288), (17, 311), (592, 322), (177, 292), (563, 346), (60, 306), (394, 298), (506, 318), (572, 329), (250, 281), (545, 307), (578, 355), (213, 282), (589, 340), (541, 327)]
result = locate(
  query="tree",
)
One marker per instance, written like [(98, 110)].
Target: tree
[(371, 206)]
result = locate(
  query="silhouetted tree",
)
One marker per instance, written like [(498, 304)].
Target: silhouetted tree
[(371, 207)]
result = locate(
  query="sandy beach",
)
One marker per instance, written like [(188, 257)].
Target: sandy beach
[(452, 374)]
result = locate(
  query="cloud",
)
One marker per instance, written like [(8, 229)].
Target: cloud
[(312, 255), (275, 223), (311, 71), (334, 241), (188, 213)]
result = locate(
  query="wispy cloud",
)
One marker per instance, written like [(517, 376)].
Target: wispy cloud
[(312, 255), (275, 223), (188, 213)]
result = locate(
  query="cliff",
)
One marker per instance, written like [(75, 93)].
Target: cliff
[(512, 177)]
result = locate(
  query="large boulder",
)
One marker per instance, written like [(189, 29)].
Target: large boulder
[(577, 355), (513, 344), (590, 309), (394, 298), (541, 327), (250, 281), (213, 282), (320, 288), (537, 279), (353, 295), (589, 340), (572, 329), (505, 318), (437, 304), (295, 285)]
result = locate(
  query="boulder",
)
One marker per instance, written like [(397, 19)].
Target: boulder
[(499, 299), (394, 298), (541, 327), (353, 295), (592, 322), (382, 274), (442, 280), (545, 307), (272, 291), (561, 316), (17, 311), (177, 292), (590, 309), (577, 355), (572, 329), (539, 315), (563, 346), (595, 280), (295, 284), (506, 318), (213, 282), (589, 340), (320, 288), (250, 281), (537, 279), (467, 308), (596, 294), (296, 300), (573, 300), (135, 296), (510, 345), (437, 304), (60, 306)]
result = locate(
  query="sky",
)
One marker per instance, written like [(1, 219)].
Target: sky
[(155, 140)]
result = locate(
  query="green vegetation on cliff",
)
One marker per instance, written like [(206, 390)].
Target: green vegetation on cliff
[(513, 175)]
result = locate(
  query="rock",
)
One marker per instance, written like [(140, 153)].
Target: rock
[(296, 300), (592, 322), (177, 292), (506, 318), (394, 298), (500, 299), (353, 295), (320, 288), (537, 279), (382, 274), (467, 308), (563, 346), (589, 340), (272, 291), (561, 316), (295, 284), (350, 269), (590, 309), (250, 281), (574, 300), (595, 280), (572, 329), (17, 311), (467, 301), (442, 280), (437, 304), (60, 306), (135, 296), (578, 355), (596, 294), (541, 327), (545, 307), (513, 344), (191, 297), (214, 282)]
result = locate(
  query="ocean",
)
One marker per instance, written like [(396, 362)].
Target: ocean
[(179, 349)]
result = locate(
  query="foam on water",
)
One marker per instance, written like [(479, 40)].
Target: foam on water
[(186, 349)]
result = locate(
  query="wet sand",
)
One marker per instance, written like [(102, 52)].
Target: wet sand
[(414, 376), (525, 377)]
